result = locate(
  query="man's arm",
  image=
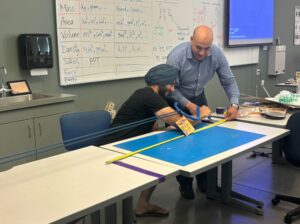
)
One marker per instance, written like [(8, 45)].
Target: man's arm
[(176, 96), (175, 60), (232, 113), (171, 120), (229, 84), (192, 107)]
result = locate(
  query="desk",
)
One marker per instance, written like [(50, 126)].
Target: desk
[(264, 135), (287, 85), (258, 119), (68, 186), (276, 145), (292, 87)]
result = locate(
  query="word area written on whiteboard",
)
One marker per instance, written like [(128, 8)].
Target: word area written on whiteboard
[(102, 40)]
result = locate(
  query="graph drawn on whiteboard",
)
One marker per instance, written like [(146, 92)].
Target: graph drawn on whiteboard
[(102, 40)]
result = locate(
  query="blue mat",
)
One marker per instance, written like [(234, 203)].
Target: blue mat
[(192, 148)]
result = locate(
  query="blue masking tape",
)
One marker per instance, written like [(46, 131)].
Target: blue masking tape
[(195, 118)]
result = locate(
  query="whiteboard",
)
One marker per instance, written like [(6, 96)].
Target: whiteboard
[(102, 40)]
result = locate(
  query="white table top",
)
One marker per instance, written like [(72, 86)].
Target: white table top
[(258, 119), (67, 186), (286, 84), (270, 133)]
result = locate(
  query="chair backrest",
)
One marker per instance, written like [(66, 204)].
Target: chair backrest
[(82, 129), (291, 143)]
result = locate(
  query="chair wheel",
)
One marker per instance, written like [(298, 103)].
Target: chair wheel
[(275, 201), (288, 219), (259, 211), (260, 205)]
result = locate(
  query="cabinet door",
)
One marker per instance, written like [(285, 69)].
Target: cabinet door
[(48, 136), (17, 137)]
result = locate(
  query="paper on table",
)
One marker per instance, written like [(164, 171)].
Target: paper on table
[(287, 98)]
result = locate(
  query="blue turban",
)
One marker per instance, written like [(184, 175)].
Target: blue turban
[(162, 74)]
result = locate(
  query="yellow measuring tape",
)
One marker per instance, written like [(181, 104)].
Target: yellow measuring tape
[(163, 142)]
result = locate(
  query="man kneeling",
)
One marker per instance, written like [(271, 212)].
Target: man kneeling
[(143, 104)]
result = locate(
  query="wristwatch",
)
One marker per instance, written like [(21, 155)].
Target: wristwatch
[(235, 105)]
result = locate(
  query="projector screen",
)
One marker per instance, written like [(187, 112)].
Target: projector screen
[(249, 22)]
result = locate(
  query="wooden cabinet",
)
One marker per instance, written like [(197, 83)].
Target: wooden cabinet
[(16, 138), (48, 138), (31, 133)]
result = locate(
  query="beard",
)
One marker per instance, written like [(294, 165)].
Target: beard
[(162, 90)]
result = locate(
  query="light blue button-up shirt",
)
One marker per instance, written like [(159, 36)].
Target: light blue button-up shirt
[(195, 74)]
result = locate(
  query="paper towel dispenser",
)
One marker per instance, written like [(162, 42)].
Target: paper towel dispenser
[(35, 51)]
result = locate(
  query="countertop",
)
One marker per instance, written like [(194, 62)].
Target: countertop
[(42, 98)]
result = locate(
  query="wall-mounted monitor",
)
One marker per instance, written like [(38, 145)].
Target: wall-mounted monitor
[(249, 22)]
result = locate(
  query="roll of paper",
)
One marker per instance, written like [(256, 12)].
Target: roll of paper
[(220, 110)]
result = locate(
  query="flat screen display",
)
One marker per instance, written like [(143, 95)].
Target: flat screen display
[(19, 87), (249, 22)]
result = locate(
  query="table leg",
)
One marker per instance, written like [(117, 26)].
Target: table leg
[(127, 211), (111, 214), (277, 154), (232, 197), (212, 183), (225, 193), (95, 217)]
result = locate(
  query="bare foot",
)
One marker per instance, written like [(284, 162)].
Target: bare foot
[(151, 210)]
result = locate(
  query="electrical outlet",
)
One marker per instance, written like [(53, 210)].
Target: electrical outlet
[(258, 71), (262, 82)]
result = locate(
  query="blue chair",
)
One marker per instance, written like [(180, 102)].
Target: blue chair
[(83, 129), (291, 150)]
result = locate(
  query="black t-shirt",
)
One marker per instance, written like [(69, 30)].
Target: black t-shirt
[(142, 104)]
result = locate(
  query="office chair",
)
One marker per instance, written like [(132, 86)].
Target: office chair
[(83, 129), (291, 151)]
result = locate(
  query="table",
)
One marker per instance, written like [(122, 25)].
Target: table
[(293, 86), (277, 155), (287, 85), (65, 187), (261, 135), (258, 119)]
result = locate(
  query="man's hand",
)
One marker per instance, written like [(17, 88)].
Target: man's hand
[(232, 113), (192, 108), (205, 111)]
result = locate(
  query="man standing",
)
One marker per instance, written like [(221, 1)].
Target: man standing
[(198, 60)]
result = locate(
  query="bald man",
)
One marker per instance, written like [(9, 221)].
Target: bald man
[(198, 60)]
